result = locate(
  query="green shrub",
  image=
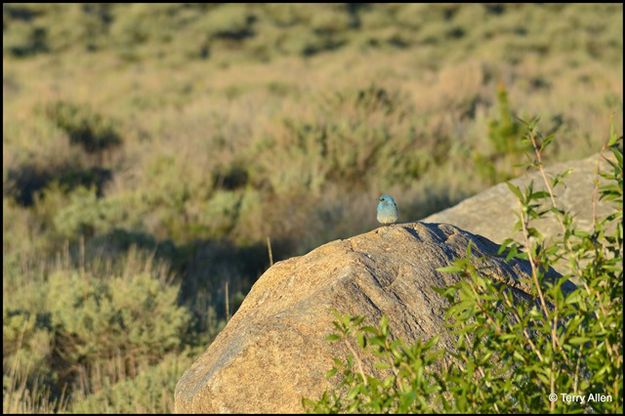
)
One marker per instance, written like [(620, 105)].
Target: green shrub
[(98, 332), (361, 136), (221, 212), (35, 42), (95, 319), (81, 216), (504, 133), (409, 386), (26, 341), (151, 391), (84, 127), (233, 22)]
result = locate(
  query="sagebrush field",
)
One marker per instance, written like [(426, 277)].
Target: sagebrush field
[(154, 155)]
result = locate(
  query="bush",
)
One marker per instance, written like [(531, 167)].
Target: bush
[(81, 330), (504, 134), (88, 129), (35, 42), (510, 356), (132, 317), (27, 342), (231, 22), (149, 392), (373, 142)]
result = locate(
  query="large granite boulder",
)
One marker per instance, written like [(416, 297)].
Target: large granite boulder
[(491, 213), (273, 351)]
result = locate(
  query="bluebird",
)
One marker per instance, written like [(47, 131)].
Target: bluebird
[(388, 212)]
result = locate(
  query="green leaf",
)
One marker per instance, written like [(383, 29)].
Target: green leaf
[(450, 269), (333, 337), (546, 141), (540, 195), (362, 340), (515, 190), (578, 340)]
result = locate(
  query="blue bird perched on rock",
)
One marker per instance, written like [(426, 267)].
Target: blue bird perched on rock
[(388, 212)]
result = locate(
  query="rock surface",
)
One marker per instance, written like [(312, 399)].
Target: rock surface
[(273, 351), (491, 213)]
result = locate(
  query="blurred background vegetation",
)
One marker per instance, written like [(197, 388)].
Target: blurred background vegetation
[(150, 153)]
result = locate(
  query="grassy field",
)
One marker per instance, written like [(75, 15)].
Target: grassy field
[(151, 153)]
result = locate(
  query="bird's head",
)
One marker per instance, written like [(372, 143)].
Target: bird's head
[(385, 198)]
